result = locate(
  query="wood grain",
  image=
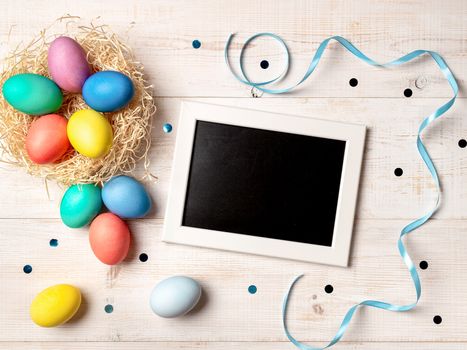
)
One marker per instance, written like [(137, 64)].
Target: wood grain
[(376, 272), (392, 125), (161, 33), (218, 345)]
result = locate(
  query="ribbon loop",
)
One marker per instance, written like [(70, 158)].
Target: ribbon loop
[(242, 77)]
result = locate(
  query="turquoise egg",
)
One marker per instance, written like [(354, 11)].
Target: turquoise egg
[(32, 94), (108, 91), (175, 296), (80, 204), (126, 197)]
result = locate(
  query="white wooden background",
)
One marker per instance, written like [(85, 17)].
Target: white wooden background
[(229, 317)]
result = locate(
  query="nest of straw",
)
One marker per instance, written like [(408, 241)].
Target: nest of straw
[(131, 125)]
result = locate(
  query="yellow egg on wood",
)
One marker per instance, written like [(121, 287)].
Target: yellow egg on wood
[(55, 305)]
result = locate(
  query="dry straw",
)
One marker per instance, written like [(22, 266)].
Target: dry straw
[(131, 125)]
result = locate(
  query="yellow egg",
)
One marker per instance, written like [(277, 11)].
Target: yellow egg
[(55, 305), (90, 133)]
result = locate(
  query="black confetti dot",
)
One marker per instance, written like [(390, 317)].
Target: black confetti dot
[(143, 257), (423, 265), (398, 172), (53, 242), (329, 289), (408, 92), (353, 82), (462, 143), (264, 64), (27, 269), (437, 319)]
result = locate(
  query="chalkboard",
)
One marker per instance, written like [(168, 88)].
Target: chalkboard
[(263, 183)]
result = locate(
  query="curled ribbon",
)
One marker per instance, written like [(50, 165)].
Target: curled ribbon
[(242, 77)]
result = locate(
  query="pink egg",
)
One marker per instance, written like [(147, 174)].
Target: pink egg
[(109, 237), (67, 64), (47, 140)]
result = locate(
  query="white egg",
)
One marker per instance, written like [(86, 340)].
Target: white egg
[(175, 296)]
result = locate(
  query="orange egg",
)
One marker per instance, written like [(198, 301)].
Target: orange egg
[(47, 140), (110, 238)]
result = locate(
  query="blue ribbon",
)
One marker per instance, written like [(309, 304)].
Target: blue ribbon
[(242, 77)]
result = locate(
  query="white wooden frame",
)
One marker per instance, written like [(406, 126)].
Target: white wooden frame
[(337, 254)]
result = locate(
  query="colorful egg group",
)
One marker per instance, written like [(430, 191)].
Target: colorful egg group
[(109, 237), (175, 296), (55, 305), (126, 197), (80, 204), (47, 140), (108, 91), (32, 94), (67, 64), (90, 133)]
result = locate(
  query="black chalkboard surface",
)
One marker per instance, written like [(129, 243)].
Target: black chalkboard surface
[(263, 183)]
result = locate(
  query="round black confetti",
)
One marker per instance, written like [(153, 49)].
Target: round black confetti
[(398, 172), (437, 319), (462, 143), (408, 92), (53, 242), (423, 265), (264, 64), (143, 257), (27, 269), (329, 289), (353, 82)]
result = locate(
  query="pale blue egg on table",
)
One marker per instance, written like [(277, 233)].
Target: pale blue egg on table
[(175, 296), (108, 91), (126, 197)]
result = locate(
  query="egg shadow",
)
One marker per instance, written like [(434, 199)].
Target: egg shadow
[(203, 301), (135, 246), (81, 311)]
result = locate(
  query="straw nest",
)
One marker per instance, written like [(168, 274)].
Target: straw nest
[(131, 125)]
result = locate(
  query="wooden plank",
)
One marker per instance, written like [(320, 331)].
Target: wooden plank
[(217, 345), (392, 126), (376, 272), (229, 317), (162, 34)]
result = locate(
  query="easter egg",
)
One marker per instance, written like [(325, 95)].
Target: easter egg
[(55, 305), (126, 197), (32, 94), (80, 204), (175, 296), (109, 237), (108, 91), (67, 64), (47, 141), (90, 133)]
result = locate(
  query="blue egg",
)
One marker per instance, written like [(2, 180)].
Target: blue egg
[(126, 197), (175, 296), (108, 91)]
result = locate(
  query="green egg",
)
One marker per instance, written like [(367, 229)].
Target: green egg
[(80, 204), (32, 94)]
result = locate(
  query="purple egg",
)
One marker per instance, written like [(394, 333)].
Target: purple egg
[(67, 64)]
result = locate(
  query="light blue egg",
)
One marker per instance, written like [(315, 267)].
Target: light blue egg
[(175, 296), (108, 91), (126, 197)]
